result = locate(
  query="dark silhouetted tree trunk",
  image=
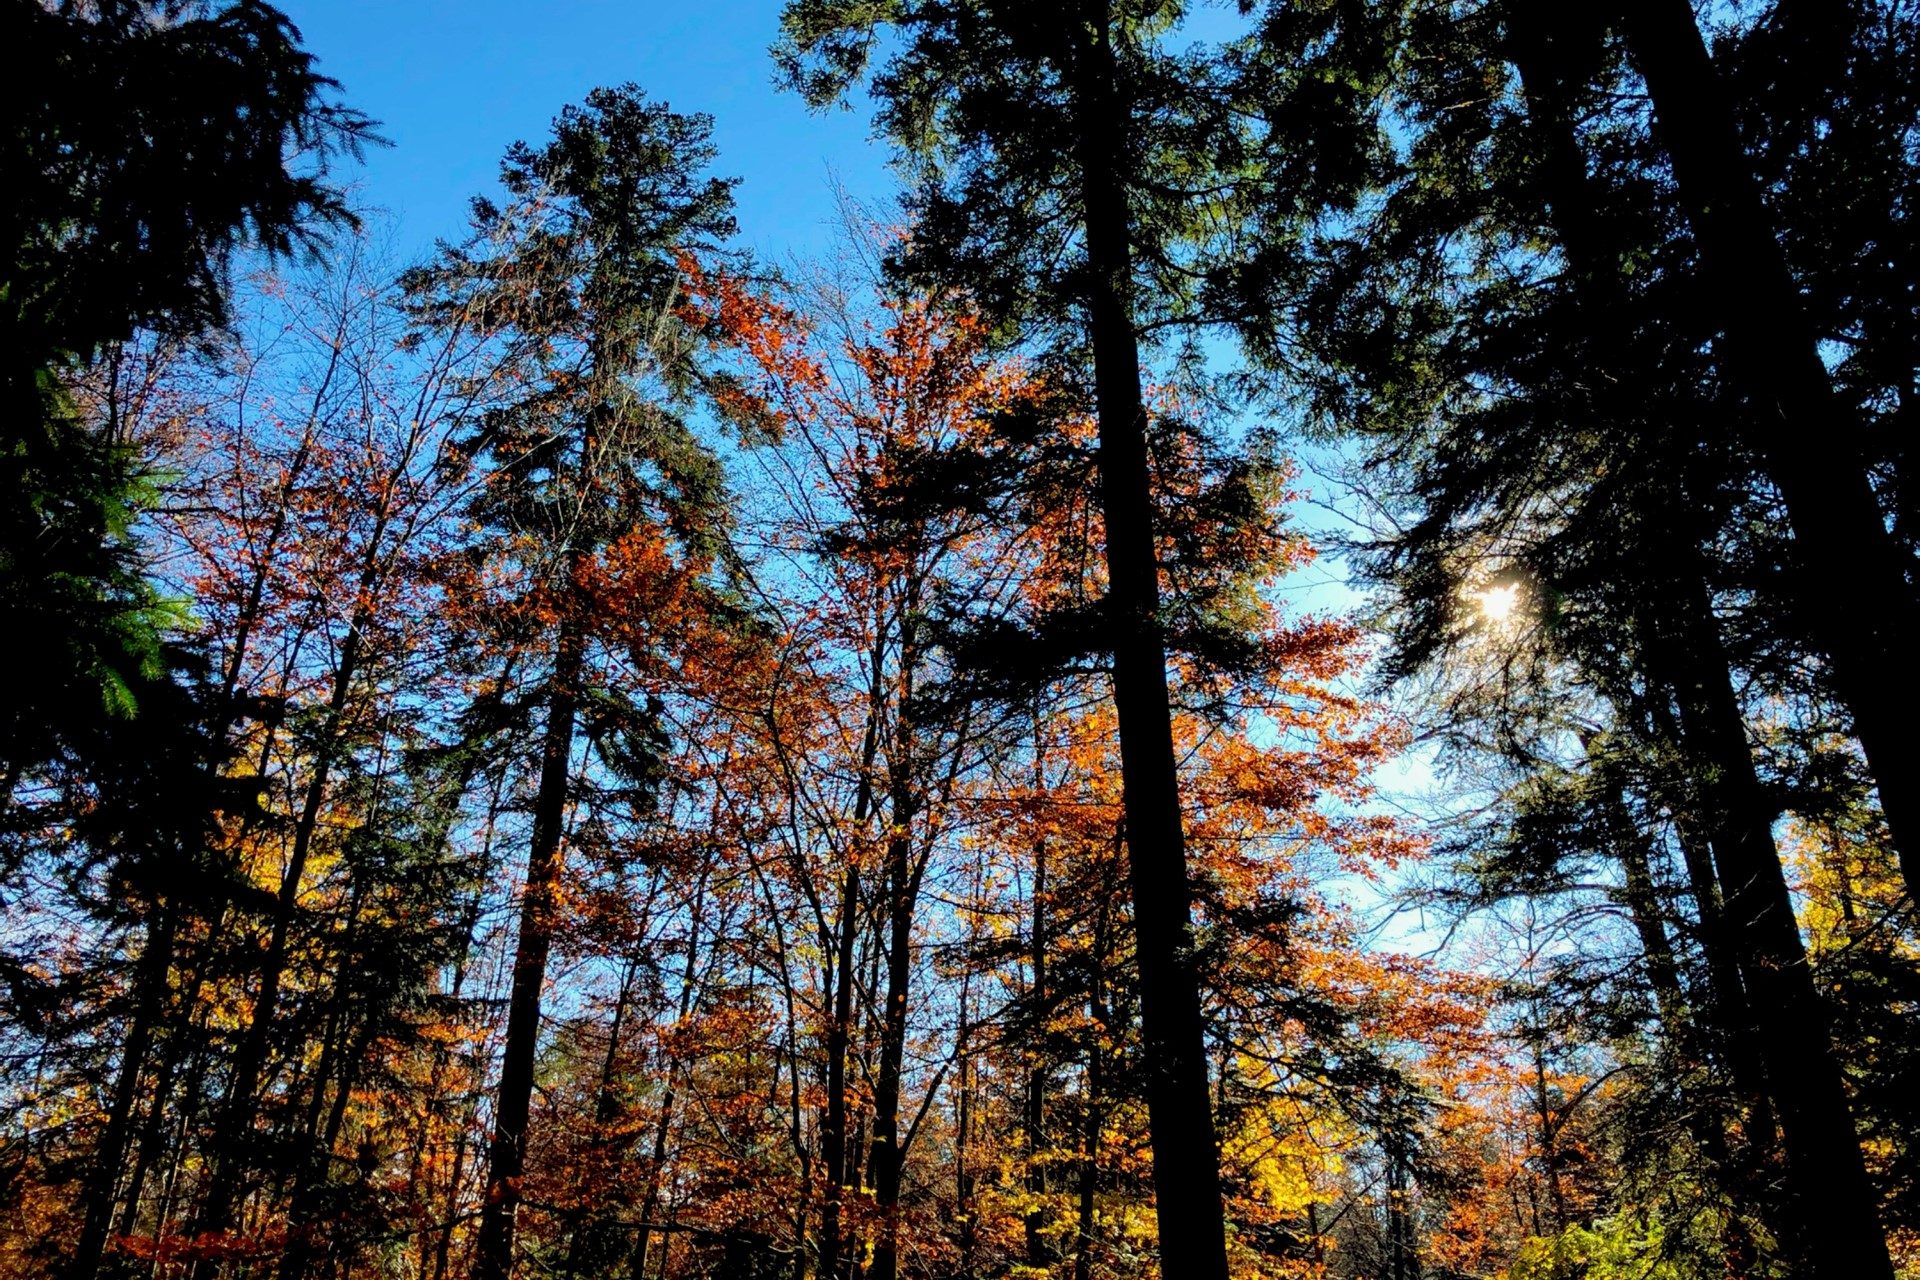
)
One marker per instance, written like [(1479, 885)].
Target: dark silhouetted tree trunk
[(507, 1157), (1186, 1158), (1851, 576)]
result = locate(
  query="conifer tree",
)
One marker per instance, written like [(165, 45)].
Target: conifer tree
[(586, 469)]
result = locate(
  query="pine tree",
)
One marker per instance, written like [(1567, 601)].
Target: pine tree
[(587, 470)]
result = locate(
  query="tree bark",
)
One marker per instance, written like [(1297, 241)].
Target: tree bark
[(237, 1115), (1038, 1255), (650, 1200), (833, 1126)]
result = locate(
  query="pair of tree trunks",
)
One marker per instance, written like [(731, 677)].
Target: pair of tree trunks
[(903, 891), (1855, 602), (1831, 1217), (1851, 575), (834, 1148), (1827, 1179), (103, 1175)]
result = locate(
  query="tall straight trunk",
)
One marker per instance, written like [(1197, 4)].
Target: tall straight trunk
[(1638, 893), (303, 1248), (963, 1175), (1403, 1257), (650, 1199), (1851, 579), (432, 1245), (1097, 1022), (594, 1240), (1729, 1010), (336, 1054), (1656, 948), (103, 1171), (169, 1058), (95, 1229), (539, 905), (1704, 1121), (1186, 1158), (903, 892), (1036, 1094), (1552, 49), (833, 1125), (1826, 1177), (834, 1146)]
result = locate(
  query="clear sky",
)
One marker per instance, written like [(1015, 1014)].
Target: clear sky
[(454, 81)]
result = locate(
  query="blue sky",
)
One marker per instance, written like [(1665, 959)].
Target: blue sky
[(453, 83)]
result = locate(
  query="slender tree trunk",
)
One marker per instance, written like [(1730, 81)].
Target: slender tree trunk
[(963, 1175), (1186, 1159), (513, 1105), (650, 1200), (903, 891), (592, 1246), (1545, 1111), (237, 1116), (153, 1131), (1827, 1179), (1851, 576), (1038, 1254), (833, 1127), (103, 1171), (1403, 1257), (1552, 50), (1091, 1122), (834, 1147), (315, 1167), (1729, 1010), (1704, 1118)]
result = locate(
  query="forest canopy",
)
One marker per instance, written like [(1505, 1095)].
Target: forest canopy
[(1289, 660)]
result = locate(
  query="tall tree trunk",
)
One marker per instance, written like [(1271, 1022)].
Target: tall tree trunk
[(1553, 51), (594, 1240), (1038, 1254), (963, 1175), (1098, 1018), (1704, 1119), (336, 1054), (513, 1105), (1729, 1010), (1851, 576), (833, 1125), (1827, 1178), (103, 1171), (167, 1061), (834, 1146), (650, 1199), (1186, 1159), (903, 892)]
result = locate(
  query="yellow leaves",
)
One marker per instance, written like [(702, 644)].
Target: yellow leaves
[(1287, 1154)]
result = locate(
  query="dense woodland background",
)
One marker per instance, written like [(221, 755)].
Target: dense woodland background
[(592, 755)]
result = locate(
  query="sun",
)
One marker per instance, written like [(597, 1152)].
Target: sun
[(1498, 604)]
